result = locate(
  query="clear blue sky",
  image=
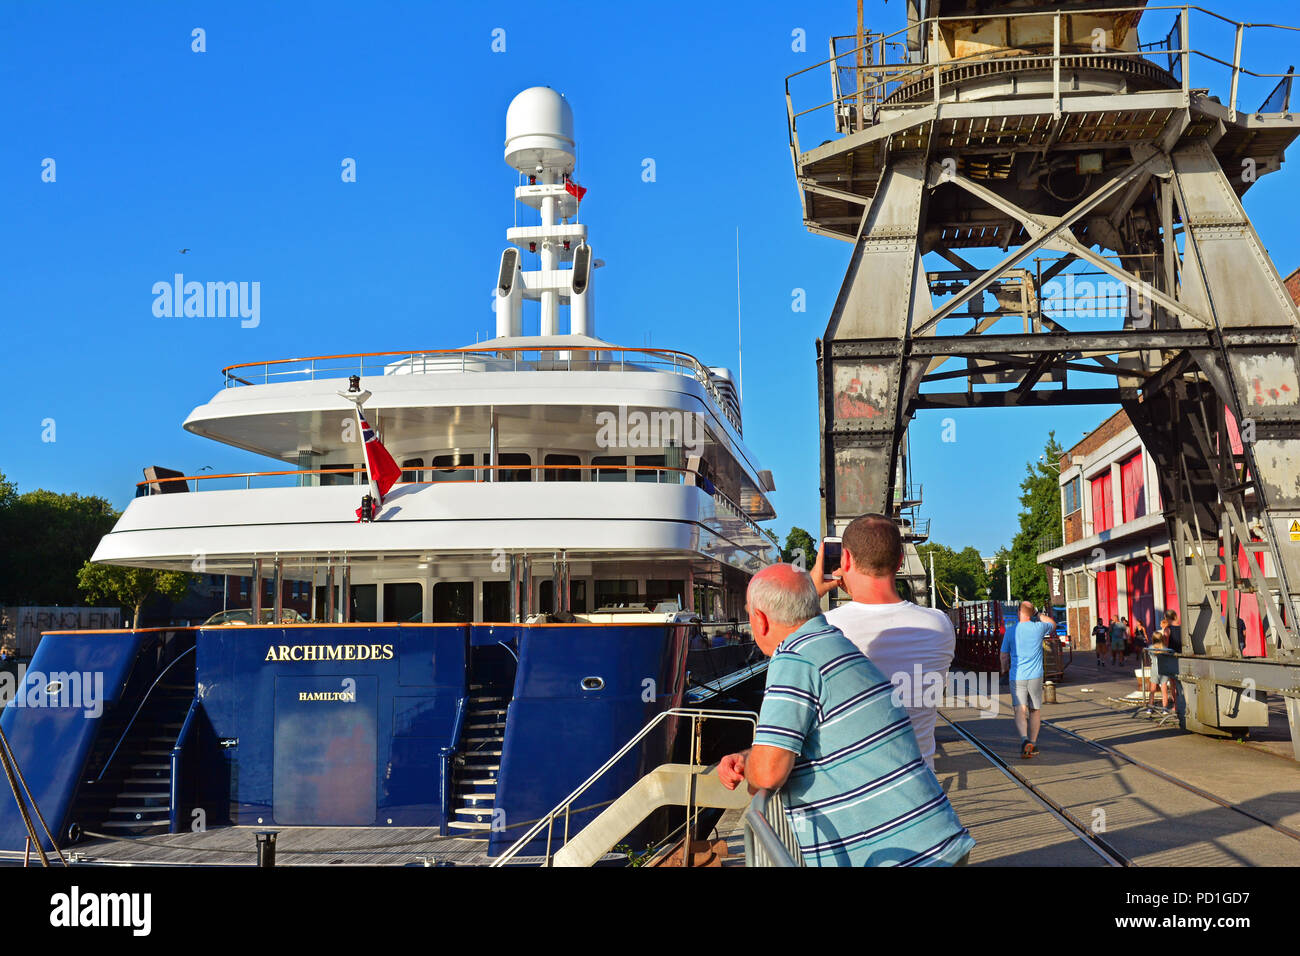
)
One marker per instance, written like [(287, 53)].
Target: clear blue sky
[(235, 153)]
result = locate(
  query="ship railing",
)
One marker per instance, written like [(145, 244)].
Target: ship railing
[(479, 474), (176, 761), (563, 810), (769, 832), (143, 701), (482, 359), (866, 75)]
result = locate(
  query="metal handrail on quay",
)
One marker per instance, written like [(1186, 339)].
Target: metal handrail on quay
[(564, 807), (769, 835)]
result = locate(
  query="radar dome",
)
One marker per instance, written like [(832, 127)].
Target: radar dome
[(539, 131)]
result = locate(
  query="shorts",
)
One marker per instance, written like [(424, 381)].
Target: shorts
[(1027, 693), (1117, 643)]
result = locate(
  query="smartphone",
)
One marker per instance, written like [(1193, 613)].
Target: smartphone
[(832, 549)]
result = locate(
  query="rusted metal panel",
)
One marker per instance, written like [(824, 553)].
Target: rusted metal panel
[(863, 392)]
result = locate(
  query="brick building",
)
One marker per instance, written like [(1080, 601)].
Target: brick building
[(1115, 552)]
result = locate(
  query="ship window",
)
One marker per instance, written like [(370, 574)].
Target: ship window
[(645, 462), (616, 593), (457, 467), (412, 463), (609, 474), (337, 479), (453, 602), (403, 601), (562, 474), (496, 601), (659, 591), (364, 599), (513, 458), (577, 597)]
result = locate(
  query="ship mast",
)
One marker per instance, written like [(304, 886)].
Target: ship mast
[(540, 146)]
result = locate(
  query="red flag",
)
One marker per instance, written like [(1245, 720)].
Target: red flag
[(380, 467), (573, 189)]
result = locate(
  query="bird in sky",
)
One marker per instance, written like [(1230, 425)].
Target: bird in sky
[(183, 251)]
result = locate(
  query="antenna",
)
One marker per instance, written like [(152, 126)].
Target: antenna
[(740, 356)]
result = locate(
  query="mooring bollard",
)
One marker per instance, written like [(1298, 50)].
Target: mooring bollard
[(266, 847), (1049, 692)]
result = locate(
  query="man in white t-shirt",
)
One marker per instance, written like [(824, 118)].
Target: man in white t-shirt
[(911, 645)]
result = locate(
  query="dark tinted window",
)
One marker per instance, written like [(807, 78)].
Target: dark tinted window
[(453, 602), (457, 467), (610, 474), (403, 601), (505, 473), (562, 474), (644, 473), (365, 599), (496, 601)]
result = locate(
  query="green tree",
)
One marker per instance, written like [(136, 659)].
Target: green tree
[(1040, 518), (957, 573), (131, 587), (45, 537), (799, 540)]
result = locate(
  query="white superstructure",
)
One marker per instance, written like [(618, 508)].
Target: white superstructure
[(527, 459)]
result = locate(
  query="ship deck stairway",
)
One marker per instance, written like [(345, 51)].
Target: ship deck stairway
[(132, 793), (478, 754)]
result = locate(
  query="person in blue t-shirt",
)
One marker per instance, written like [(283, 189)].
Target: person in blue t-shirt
[(1022, 662)]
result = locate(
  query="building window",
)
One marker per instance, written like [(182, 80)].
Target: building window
[(1070, 495)]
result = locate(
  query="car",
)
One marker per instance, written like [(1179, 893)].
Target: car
[(244, 615)]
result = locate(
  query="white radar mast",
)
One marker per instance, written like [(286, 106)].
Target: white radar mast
[(540, 145)]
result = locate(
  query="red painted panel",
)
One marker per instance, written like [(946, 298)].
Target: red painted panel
[(1103, 508), (1251, 623), (1107, 596), (1141, 606), (1132, 482), (1171, 586)]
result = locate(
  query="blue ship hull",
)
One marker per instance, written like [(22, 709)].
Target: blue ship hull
[(343, 725)]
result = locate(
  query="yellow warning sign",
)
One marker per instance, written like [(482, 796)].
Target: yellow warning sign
[(1295, 530)]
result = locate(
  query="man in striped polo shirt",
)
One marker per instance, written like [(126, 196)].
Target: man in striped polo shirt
[(832, 739)]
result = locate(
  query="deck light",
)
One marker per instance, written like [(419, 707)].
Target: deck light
[(367, 508), (354, 383)]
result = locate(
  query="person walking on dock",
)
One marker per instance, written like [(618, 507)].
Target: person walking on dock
[(912, 646), (1118, 641), (1022, 662), (832, 739), (1101, 642)]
